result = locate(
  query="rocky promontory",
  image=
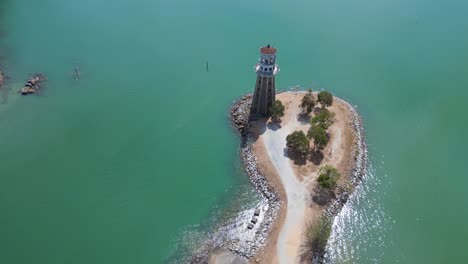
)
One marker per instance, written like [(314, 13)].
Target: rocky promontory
[(356, 169)]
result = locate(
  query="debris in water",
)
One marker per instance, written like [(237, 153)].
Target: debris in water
[(2, 78), (33, 84)]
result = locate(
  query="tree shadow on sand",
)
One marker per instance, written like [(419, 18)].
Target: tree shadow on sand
[(306, 253), (297, 158), (303, 118), (273, 125), (316, 157), (322, 196), (258, 126), (317, 110)]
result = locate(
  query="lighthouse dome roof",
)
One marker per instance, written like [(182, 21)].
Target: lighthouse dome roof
[(268, 50)]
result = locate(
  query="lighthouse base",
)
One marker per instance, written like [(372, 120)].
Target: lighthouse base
[(264, 96)]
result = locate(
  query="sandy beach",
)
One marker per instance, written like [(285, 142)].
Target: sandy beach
[(295, 183)]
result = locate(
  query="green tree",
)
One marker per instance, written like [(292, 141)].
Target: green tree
[(328, 177), (319, 134), (323, 119), (276, 110), (308, 103), (325, 98), (298, 143)]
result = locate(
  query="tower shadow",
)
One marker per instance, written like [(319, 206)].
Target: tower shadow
[(273, 125)]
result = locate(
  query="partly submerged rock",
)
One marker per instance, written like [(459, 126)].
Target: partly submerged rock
[(224, 256)]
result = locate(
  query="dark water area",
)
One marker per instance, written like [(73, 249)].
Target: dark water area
[(138, 155)]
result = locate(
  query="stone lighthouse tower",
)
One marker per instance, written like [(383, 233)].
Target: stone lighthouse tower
[(264, 93)]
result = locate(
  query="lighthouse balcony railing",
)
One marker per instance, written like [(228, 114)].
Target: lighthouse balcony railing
[(265, 74)]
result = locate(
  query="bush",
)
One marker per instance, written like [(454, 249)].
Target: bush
[(328, 177), (276, 110), (317, 235), (308, 103), (323, 119), (298, 143), (319, 135), (325, 98)]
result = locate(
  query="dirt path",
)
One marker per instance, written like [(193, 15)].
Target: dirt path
[(289, 240), (297, 181)]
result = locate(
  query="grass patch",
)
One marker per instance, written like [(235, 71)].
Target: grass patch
[(316, 238)]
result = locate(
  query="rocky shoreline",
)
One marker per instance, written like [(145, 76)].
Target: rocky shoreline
[(355, 175), (358, 171), (239, 116)]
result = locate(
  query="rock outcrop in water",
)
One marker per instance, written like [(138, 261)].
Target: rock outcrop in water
[(33, 84)]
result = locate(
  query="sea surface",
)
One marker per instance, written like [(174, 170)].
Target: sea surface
[(136, 162)]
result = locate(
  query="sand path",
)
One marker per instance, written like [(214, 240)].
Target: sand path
[(297, 181), (275, 143)]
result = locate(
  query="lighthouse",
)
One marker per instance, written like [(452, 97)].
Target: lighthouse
[(264, 93)]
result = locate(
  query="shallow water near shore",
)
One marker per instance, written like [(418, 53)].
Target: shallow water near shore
[(138, 155)]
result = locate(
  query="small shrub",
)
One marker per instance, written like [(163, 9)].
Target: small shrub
[(323, 119), (325, 98), (316, 238), (319, 135), (276, 111), (298, 143), (308, 103), (328, 177)]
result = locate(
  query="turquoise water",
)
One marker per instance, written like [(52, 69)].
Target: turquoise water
[(120, 165)]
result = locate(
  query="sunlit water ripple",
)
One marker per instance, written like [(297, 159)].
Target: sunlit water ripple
[(360, 231), (223, 224)]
